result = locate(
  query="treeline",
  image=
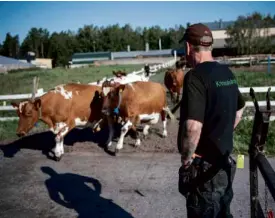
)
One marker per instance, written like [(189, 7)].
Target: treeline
[(90, 38)]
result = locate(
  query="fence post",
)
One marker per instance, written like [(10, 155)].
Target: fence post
[(258, 138), (252, 162), (175, 55), (268, 65)]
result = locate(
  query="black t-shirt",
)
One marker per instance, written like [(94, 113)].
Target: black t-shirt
[(211, 96)]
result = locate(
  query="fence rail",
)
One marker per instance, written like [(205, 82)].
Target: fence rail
[(248, 60)]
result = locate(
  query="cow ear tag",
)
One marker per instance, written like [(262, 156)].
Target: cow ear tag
[(120, 90)]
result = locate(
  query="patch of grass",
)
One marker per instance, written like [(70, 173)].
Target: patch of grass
[(242, 137), (248, 79), (21, 82), (8, 129)]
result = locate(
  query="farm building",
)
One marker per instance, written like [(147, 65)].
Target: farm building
[(7, 64), (218, 29), (81, 59), (144, 54), (90, 57)]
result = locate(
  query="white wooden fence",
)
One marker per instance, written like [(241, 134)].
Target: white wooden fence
[(248, 60)]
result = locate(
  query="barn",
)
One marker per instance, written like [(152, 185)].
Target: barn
[(89, 57), (218, 29)]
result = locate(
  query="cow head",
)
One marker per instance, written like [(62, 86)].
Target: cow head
[(180, 64), (119, 73), (111, 95), (28, 113), (173, 77)]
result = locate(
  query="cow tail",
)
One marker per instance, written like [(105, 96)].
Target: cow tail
[(172, 117)]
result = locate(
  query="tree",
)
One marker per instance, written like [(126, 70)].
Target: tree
[(10, 47), (88, 38), (250, 35), (37, 40), (61, 47)]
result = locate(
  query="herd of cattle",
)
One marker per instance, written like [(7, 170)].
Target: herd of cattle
[(125, 99)]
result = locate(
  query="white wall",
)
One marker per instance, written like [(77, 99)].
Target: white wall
[(221, 34)]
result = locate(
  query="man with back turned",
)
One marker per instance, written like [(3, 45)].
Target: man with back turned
[(211, 108)]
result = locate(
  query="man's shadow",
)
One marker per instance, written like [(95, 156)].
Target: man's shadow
[(71, 191)]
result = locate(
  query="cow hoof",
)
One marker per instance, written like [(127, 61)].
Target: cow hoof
[(116, 151), (58, 158), (137, 143), (164, 135)]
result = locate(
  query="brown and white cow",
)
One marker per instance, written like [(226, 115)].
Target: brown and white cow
[(173, 80), (135, 103), (62, 109)]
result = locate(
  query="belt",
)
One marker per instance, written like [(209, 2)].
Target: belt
[(198, 160)]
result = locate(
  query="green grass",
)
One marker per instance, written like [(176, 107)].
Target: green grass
[(21, 82), (242, 137), (8, 130)]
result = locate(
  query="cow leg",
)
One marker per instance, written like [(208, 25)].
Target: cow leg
[(172, 96), (146, 130), (135, 121), (178, 96), (111, 132), (164, 123), (125, 128), (137, 138), (150, 120), (62, 129)]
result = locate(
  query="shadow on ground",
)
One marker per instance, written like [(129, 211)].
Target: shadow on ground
[(78, 195), (45, 141)]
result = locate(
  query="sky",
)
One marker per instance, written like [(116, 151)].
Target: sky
[(19, 17)]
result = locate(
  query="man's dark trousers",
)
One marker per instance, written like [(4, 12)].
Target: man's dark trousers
[(213, 198)]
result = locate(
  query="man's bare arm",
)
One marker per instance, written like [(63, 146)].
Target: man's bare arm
[(192, 133), (238, 118)]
